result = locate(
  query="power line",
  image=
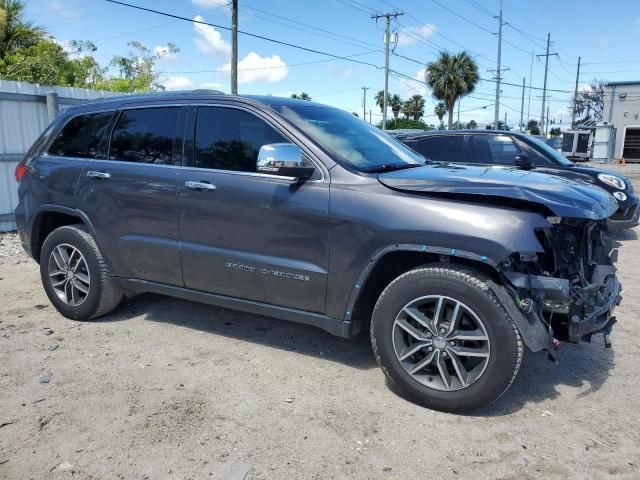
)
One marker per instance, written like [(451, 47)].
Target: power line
[(253, 35)]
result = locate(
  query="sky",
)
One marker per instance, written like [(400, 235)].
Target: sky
[(604, 35)]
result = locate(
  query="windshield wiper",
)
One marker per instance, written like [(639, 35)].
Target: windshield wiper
[(390, 167)]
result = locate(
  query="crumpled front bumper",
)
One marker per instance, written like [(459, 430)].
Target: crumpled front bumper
[(600, 319)]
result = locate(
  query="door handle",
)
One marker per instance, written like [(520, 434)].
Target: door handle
[(199, 185), (94, 174)]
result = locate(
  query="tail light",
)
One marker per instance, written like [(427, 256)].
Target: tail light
[(21, 169)]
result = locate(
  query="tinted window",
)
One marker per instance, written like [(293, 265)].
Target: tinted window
[(146, 136), (230, 139), (442, 149), (81, 136), (495, 149)]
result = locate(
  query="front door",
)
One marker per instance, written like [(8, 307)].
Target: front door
[(130, 197), (245, 234)]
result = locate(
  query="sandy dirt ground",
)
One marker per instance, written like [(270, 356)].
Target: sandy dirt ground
[(163, 388)]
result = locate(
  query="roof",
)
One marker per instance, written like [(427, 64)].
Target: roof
[(198, 95), (431, 133), (628, 82)]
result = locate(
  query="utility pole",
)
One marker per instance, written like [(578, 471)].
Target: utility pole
[(498, 69), (547, 129), (364, 102), (575, 96), (530, 77), (387, 40), (544, 88), (234, 47), (522, 107), (370, 120), (505, 120)]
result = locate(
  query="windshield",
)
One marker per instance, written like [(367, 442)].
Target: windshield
[(555, 156), (351, 140)]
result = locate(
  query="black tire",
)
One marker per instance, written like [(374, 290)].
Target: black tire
[(103, 294), (464, 285)]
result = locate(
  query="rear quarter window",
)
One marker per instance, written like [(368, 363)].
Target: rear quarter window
[(81, 136)]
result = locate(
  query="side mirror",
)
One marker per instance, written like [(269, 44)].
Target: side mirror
[(523, 162), (283, 159)]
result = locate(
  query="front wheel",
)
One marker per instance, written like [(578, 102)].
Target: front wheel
[(442, 337)]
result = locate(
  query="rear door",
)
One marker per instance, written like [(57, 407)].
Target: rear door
[(130, 196), (247, 234)]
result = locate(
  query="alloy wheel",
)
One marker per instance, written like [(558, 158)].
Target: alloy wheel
[(441, 342), (69, 274)]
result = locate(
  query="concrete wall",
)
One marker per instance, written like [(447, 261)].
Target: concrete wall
[(25, 111), (622, 113)]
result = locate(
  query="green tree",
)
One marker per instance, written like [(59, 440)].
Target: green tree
[(555, 132), (414, 107), (451, 77), (301, 96), (472, 125), (15, 31), (406, 123), (589, 103), (395, 102), (379, 99), (137, 70), (533, 128), (440, 110)]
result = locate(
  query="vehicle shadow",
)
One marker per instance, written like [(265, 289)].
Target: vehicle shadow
[(584, 365), (268, 331)]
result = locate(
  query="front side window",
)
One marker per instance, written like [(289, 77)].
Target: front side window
[(442, 148), (496, 149), (145, 135), (230, 139), (81, 136)]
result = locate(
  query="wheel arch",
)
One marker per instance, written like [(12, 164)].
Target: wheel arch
[(394, 260), (48, 218)]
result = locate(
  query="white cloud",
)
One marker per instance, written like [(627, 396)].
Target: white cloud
[(409, 88), (210, 41), (177, 83), (162, 51), (208, 4), (339, 71), (256, 69), (412, 35), (62, 9)]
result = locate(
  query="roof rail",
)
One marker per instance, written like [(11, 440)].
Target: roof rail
[(207, 90)]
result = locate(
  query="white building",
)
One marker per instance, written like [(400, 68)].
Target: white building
[(622, 111)]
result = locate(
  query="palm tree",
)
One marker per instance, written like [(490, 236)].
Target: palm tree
[(379, 99), (414, 107), (440, 110), (451, 77), (15, 32), (395, 102), (301, 96)]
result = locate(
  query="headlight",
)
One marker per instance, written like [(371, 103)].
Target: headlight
[(612, 180)]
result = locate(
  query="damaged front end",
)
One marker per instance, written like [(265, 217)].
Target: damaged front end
[(571, 287)]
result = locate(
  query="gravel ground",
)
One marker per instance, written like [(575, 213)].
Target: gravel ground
[(163, 388)]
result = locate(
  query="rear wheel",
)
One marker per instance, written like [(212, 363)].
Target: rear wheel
[(443, 338), (75, 276)]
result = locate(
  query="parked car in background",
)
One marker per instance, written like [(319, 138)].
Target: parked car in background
[(513, 149), (303, 212)]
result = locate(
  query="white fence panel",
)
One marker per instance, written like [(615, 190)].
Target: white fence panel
[(24, 114)]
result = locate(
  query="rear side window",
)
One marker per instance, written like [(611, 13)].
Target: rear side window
[(230, 139), (442, 149), (81, 136), (496, 149), (146, 135)]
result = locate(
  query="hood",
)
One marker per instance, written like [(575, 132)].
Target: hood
[(594, 171), (564, 197)]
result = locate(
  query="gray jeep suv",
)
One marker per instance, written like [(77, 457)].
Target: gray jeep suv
[(303, 212)]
